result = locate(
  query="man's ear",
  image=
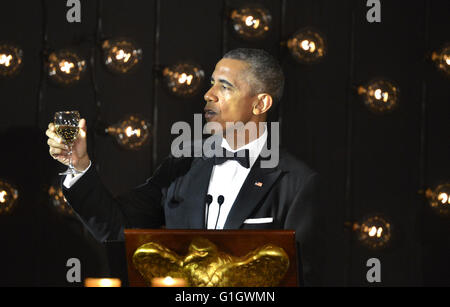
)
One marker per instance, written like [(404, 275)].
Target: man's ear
[(264, 103)]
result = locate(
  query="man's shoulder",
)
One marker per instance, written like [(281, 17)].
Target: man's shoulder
[(295, 167)]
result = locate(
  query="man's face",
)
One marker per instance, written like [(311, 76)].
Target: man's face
[(230, 98)]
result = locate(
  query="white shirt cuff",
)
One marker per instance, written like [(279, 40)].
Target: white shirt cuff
[(71, 179)]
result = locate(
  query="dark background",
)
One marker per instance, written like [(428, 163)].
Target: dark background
[(370, 163)]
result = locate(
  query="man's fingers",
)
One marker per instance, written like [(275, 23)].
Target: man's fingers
[(53, 143), (83, 127), (56, 151), (53, 135)]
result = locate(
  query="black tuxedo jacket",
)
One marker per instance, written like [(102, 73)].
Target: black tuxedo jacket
[(174, 197)]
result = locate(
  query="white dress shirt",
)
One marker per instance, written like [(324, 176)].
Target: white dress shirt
[(71, 179), (226, 180)]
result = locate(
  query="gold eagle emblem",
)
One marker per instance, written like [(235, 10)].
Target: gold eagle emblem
[(206, 266)]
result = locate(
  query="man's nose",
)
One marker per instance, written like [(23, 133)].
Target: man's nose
[(210, 96)]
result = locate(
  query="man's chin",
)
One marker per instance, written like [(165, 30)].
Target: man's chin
[(213, 127)]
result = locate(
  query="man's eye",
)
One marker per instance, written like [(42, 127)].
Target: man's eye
[(225, 87)]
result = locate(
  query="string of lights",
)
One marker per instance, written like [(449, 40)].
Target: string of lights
[(42, 78), (98, 37), (155, 84), (348, 185)]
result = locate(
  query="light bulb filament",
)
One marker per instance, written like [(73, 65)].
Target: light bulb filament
[(129, 131), (5, 59), (308, 45), (372, 231), (379, 231), (65, 66), (2, 196), (443, 198), (380, 95), (121, 55), (185, 78)]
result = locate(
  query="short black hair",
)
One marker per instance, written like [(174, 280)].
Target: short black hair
[(265, 69)]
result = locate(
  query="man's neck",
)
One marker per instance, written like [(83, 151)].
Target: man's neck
[(237, 138)]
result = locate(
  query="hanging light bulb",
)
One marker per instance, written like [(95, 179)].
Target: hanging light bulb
[(439, 199), (8, 196), (184, 79), (131, 133), (379, 95), (307, 46), (251, 22), (65, 67), (374, 232), (11, 58), (121, 55), (441, 59), (58, 200)]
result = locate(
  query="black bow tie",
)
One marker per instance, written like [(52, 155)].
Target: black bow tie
[(241, 156)]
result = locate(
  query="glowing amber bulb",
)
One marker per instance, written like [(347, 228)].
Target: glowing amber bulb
[(443, 198), (58, 200), (307, 46), (380, 95), (439, 199), (3, 195), (5, 59), (8, 196), (183, 79), (65, 67), (379, 232), (251, 22), (10, 60), (131, 132), (121, 55), (441, 59), (374, 232)]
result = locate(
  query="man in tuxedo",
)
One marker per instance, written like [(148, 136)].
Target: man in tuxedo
[(242, 194)]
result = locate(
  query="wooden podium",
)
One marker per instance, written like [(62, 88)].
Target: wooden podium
[(234, 242)]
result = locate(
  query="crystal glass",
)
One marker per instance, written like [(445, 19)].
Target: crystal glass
[(66, 127)]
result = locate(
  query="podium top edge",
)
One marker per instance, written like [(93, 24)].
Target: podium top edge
[(137, 231)]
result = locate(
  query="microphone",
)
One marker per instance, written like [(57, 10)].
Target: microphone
[(220, 201), (208, 200)]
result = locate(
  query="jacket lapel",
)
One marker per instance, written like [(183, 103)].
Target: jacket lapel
[(193, 203), (257, 184), (194, 186)]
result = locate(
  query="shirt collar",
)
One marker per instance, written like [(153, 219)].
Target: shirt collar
[(254, 146)]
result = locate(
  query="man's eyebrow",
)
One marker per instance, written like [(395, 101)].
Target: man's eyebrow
[(223, 81), (226, 82)]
